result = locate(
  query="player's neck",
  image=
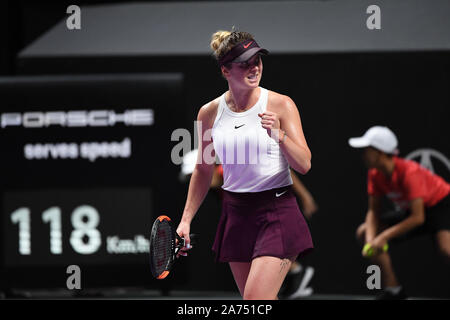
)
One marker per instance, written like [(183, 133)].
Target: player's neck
[(240, 100), (387, 167)]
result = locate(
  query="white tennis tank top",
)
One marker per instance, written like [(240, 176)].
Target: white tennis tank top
[(251, 160)]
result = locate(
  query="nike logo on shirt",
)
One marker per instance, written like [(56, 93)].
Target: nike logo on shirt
[(237, 127)]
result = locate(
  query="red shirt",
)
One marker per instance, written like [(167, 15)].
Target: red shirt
[(408, 181)]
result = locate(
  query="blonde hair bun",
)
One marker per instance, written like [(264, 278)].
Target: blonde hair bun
[(217, 38), (223, 41)]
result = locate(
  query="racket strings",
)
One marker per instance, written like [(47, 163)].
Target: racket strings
[(162, 249)]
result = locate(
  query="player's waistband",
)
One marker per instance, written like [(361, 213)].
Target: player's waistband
[(261, 196)]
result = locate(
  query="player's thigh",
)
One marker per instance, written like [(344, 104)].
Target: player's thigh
[(240, 272), (266, 277)]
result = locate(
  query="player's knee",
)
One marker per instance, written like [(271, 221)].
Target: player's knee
[(249, 295), (253, 291), (257, 295)]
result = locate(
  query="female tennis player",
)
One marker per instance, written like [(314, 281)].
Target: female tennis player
[(257, 135)]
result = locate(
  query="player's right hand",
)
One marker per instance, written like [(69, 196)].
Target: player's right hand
[(183, 231)]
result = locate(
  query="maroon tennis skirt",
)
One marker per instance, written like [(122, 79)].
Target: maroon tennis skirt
[(267, 223)]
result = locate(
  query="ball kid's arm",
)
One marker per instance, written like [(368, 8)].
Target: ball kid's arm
[(415, 219), (372, 218)]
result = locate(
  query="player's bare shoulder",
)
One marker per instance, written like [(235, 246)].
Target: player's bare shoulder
[(208, 111), (280, 103)]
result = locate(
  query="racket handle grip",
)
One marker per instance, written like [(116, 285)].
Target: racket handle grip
[(193, 237)]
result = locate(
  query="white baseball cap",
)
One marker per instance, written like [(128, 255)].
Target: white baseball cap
[(378, 137)]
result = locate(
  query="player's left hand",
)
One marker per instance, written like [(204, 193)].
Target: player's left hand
[(271, 122)]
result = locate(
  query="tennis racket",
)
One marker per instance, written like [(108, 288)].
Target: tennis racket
[(164, 246)]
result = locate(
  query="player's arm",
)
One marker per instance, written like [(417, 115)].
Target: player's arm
[(294, 147), (201, 177), (415, 219), (372, 218), (293, 143)]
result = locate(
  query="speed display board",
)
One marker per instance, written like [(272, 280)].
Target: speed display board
[(87, 226), (86, 168)]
